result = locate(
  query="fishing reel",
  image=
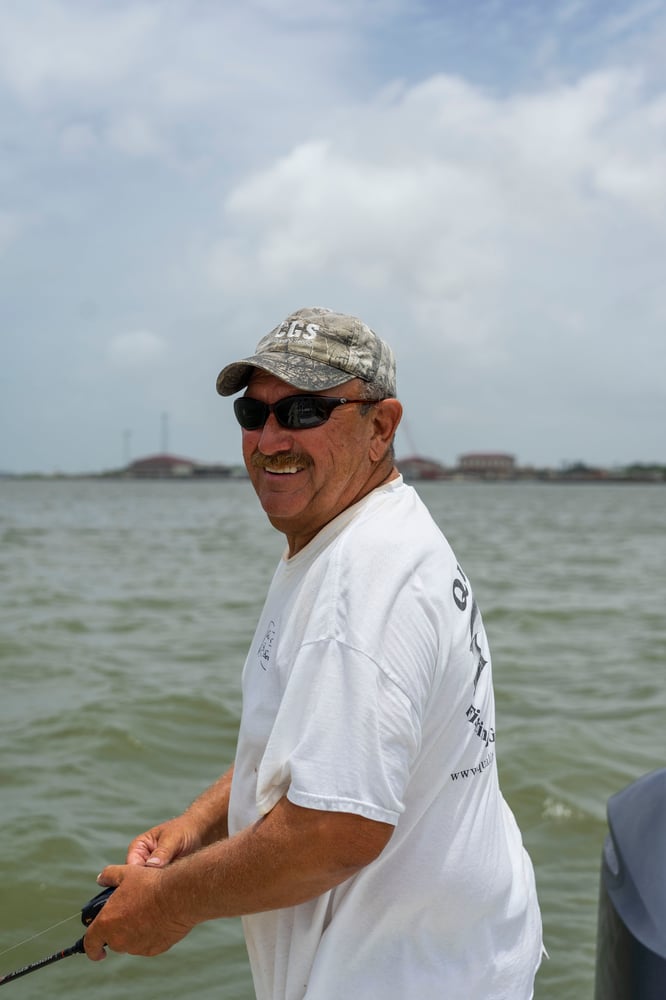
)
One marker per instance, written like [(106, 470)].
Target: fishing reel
[(90, 909)]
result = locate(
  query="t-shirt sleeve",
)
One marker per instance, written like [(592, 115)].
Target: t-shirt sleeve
[(344, 738)]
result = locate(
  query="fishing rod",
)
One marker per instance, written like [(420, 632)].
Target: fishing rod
[(88, 913)]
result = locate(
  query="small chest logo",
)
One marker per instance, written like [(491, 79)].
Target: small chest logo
[(264, 651)]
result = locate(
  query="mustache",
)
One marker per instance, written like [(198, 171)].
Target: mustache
[(282, 460)]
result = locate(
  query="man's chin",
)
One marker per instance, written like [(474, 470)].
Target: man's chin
[(282, 506)]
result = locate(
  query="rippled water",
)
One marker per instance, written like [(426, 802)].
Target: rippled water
[(126, 610)]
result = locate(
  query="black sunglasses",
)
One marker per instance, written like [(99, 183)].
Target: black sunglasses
[(297, 413)]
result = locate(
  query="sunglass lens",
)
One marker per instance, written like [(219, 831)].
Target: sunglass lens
[(301, 412), (250, 413)]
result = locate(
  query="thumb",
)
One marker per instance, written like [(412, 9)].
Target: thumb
[(112, 875), (160, 846), (152, 850), (168, 849), (158, 859)]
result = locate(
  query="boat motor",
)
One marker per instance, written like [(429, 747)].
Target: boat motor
[(631, 929)]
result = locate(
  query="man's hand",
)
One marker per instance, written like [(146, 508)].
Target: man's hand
[(162, 844), (202, 823), (134, 919)]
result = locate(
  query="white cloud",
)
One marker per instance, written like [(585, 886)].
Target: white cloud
[(133, 135), (452, 198), (51, 46), (136, 350)]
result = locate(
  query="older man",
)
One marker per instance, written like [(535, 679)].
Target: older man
[(361, 834)]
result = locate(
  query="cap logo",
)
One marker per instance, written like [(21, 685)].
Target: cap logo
[(297, 331)]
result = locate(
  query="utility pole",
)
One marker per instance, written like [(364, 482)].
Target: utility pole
[(165, 433), (127, 435)]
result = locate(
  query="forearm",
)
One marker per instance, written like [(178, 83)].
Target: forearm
[(286, 858), (210, 810)]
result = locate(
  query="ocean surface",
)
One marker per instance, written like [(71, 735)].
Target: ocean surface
[(126, 611)]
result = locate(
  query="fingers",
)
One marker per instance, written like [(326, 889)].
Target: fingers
[(94, 940), (134, 920), (162, 844), (112, 875), (95, 952), (142, 848), (156, 856), (160, 857)]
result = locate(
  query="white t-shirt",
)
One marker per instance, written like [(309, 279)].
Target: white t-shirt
[(368, 690)]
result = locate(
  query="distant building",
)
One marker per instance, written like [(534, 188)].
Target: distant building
[(416, 468), (160, 467), (487, 465), (579, 472), (166, 466)]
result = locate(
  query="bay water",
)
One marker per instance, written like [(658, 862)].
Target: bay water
[(126, 611)]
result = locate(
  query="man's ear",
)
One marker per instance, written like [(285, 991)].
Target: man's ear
[(385, 416)]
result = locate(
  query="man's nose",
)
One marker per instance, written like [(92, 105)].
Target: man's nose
[(274, 438)]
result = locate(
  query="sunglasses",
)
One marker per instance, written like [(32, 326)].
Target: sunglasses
[(297, 413)]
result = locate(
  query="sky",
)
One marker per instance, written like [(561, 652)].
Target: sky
[(483, 183)]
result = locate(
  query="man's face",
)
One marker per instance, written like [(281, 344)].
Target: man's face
[(305, 478)]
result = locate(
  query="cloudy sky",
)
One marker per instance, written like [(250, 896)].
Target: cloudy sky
[(483, 182)]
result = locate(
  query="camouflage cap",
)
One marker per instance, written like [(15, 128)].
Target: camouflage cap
[(315, 349)]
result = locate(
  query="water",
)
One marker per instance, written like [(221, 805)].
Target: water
[(126, 611)]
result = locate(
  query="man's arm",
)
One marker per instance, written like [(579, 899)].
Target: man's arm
[(289, 856)]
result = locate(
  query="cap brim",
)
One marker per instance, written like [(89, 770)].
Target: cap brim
[(303, 373)]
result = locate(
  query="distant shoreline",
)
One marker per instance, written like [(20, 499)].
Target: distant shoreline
[(545, 477), (479, 466)]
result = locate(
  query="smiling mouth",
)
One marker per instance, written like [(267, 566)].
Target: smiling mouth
[(288, 470), (279, 465)]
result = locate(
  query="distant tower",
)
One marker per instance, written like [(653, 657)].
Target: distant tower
[(127, 436), (406, 430), (165, 433)]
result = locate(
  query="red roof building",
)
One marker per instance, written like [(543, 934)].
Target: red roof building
[(487, 465)]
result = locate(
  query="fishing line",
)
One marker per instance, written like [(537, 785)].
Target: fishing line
[(88, 914), (37, 935)]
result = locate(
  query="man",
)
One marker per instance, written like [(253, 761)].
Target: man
[(361, 835)]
